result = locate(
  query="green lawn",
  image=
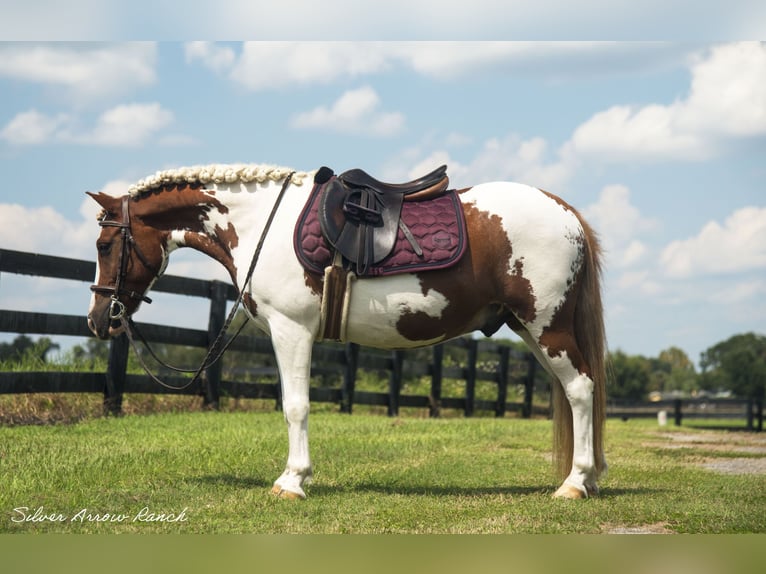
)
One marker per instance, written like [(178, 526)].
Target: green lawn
[(372, 474)]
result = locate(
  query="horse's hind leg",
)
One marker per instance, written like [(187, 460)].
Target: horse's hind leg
[(560, 356), (292, 348)]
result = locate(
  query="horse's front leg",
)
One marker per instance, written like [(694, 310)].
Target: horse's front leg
[(292, 347)]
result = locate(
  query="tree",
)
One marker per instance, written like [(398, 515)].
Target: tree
[(93, 351), (24, 347), (737, 364), (679, 371), (630, 376)]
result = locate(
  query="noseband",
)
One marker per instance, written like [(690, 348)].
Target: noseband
[(117, 308)]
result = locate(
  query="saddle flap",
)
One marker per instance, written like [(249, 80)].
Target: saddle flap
[(360, 224)]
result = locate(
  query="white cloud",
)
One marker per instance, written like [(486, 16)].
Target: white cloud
[(498, 159), (727, 98), (126, 125), (267, 65), (356, 111), (33, 128), (737, 245), (272, 65), (129, 125), (641, 280), (59, 236), (83, 73), (620, 224), (213, 56)]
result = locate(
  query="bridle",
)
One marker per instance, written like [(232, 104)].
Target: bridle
[(117, 308)]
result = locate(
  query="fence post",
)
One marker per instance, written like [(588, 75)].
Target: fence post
[(678, 414), (349, 378), (115, 375), (759, 411), (529, 386), (395, 382), (470, 377), (435, 400), (749, 414), (502, 380), (217, 317)]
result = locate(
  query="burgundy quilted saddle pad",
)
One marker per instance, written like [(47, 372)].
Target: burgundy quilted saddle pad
[(438, 226)]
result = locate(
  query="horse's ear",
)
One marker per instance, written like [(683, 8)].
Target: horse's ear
[(108, 202)]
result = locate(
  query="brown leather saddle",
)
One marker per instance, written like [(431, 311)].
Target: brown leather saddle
[(360, 216)]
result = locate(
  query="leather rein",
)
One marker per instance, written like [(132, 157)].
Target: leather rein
[(117, 310)]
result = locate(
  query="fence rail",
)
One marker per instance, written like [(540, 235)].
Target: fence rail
[(510, 366)]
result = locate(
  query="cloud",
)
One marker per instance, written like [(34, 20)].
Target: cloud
[(268, 65), (273, 65), (126, 125), (33, 128), (83, 73), (59, 236), (728, 92), (509, 158), (620, 224), (356, 111), (727, 98), (211, 55), (739, 244)]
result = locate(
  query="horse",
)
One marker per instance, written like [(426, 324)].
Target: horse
[(531, 262)]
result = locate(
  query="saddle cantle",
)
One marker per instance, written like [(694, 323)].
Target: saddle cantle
[(360, 216), (429, 185)]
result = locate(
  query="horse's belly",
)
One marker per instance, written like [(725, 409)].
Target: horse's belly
[(383, 311)]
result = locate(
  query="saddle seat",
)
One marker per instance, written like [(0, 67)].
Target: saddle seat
[(429, 185), (360, 215)]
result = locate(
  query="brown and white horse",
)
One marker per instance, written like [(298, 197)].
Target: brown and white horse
[(532, 263)]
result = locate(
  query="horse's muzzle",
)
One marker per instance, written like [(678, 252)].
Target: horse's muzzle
[(102, 323)]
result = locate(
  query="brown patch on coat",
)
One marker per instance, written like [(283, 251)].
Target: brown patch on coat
[(482, 290), (558, 337), (190, 206), (250, 304), (315, 282)]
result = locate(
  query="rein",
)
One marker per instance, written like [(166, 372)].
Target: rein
[(131, 328)]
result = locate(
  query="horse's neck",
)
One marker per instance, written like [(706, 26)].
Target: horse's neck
[(214, 222), (191, 218)]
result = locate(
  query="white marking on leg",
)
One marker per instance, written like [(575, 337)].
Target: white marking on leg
[(292, 347), (578, 388)]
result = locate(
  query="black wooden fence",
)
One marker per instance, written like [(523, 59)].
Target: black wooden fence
[(508, 365)]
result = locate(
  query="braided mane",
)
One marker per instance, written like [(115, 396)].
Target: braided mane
[(216, 173)]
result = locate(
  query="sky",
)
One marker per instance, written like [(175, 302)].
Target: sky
[(660, 145)]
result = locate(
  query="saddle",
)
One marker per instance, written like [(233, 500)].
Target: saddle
[(360, 217)]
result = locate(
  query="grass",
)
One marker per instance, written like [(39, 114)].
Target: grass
[(372, 475)]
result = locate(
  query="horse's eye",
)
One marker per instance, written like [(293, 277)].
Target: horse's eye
[(104, 248)]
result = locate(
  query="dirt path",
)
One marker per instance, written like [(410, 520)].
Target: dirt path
[(741, 452)]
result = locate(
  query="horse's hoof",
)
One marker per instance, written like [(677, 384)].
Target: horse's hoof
[(570, 492), (277, 490)]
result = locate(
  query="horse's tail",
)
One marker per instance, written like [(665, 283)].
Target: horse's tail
[(590, 336)]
